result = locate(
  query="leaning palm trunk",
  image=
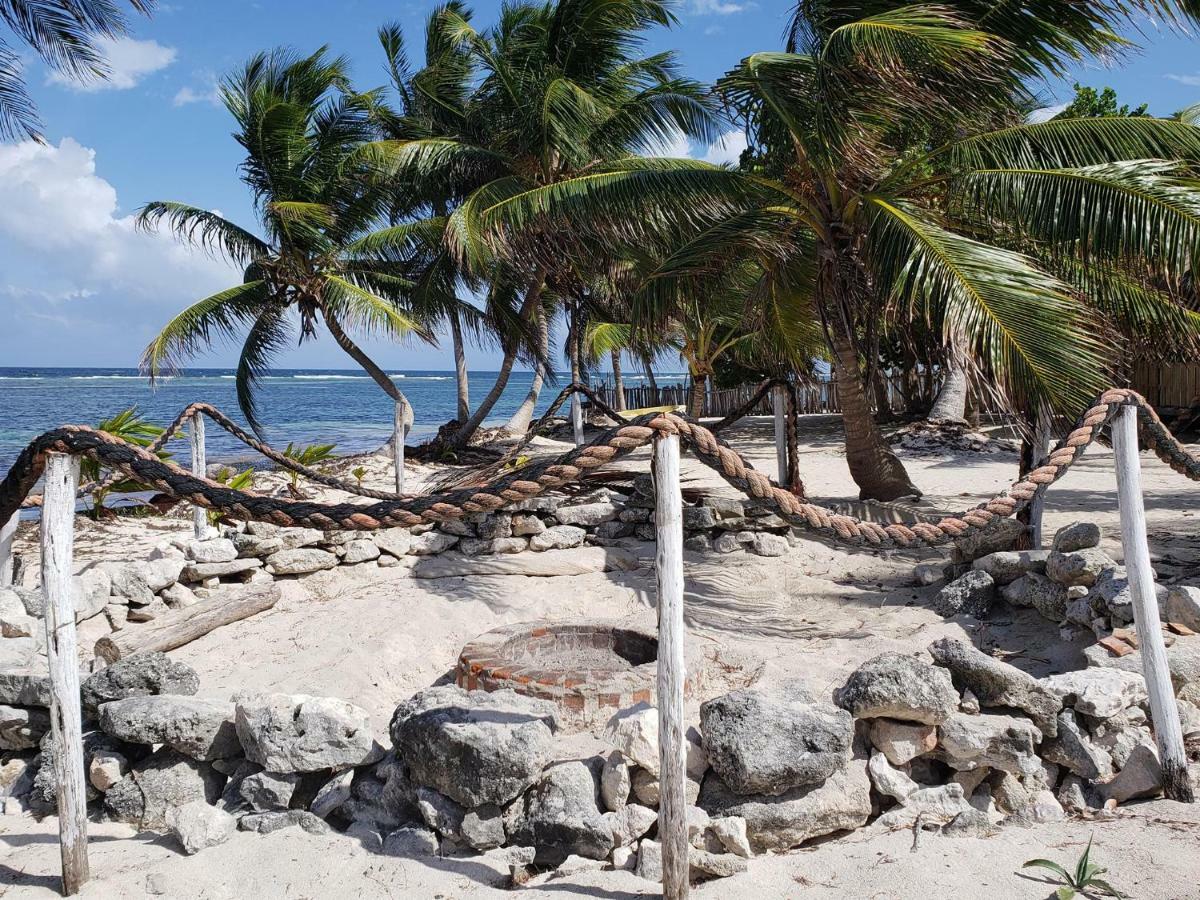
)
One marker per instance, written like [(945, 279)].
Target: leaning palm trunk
[(464, 434), (695, 406), (876, 470), (618, 383), (460, 368), (648, 369), (521, 419), (356, 353), (950, 404)]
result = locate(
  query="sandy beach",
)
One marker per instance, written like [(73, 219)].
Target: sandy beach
[(377, 635)]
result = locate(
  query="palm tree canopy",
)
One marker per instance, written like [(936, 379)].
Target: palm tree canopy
[(308, 136), (64, 33)]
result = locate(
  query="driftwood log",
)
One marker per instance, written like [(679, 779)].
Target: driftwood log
[(182, 626)]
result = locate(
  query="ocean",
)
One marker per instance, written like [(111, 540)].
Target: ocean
[(307, 406)]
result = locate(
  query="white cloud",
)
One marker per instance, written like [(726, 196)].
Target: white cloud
[(727, 148), (129, 61), (186, 95), (1189, 80), (66, 249), (718, 7), (1046, 113)]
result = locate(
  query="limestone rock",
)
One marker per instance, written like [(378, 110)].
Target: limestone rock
[(941, 803), (898, 687), (395, 542), (142, 674), (475, 747), (889, 781), (1076, 536), (301, 561), (410, 843), (560, 816), (267, 822), (580, 561), (439, 812), (1183, 661), (106, 768), (560, 537), (764, 744), (1002, 534), (1183, 606), (527, 525), (1078, 567), (901, 742), (628, 825), (1007, 566), (998, 742), (615, 782), (203, 572), (969, 595), (766, 544), (730, 833), (217, 550), (266, 791), (432, 543), (1141, 776), (702, 864), (634, 732), (197, 826), (200, 728), (482, 828), (841, 803), (299, 733), (586, 515), (1072, 749), (1099, 693), (1048, 597), (179, 596), (163, 780), (25, 687), (997, 683), (22, 727), (360, 550)]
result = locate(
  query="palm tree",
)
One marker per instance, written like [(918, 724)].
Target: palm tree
[(307, 137), (885, 180), (64, 34), (564, 88)]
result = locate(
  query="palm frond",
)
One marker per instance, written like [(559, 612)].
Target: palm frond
[(196, 328), (205, 229)]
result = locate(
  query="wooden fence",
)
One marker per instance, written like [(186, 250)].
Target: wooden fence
[(1167, 384), (820, 397)]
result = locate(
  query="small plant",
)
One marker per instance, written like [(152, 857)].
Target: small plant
[(358, 472), (133, 429), (1085, 881), (307, 455), (239, 481)]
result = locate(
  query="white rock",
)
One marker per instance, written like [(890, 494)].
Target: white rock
[(214, 551), (901, 742), (360, 550), (394, 541), (106, 768), (730, 833), (432, 543), (198, 825), (634, 731), (889, 781), (560, 537), (586, 514), (630, 823), (624, 858), (1100, 693), (615, 782), (649, 861), (1183, 606), (301, 561), (179, 596)]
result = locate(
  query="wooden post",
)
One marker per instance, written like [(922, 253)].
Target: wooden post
[(672, 809), (781, 456), (8, 533), (200, 470), (57, 534), (1164, 714), (577, 418), (399, 431), (1041, 445)]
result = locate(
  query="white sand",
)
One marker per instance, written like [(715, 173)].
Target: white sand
[(377, 635)]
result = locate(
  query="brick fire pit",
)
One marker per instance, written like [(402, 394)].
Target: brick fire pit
[(590, 668)]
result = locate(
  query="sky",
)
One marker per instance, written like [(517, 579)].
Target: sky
[(80, 287)]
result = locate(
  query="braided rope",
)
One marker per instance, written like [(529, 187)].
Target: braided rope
[(511, 488)]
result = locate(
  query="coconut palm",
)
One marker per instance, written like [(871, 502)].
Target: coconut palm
[(564, 87), (307, 137), (64, 33), (882, 162)]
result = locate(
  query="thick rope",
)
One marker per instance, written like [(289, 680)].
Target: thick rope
[(511, 488)]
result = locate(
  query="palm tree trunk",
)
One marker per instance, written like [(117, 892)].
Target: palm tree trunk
[(460, 367), (648, 369), (521, 419), (876, 470), (618, 383), (695, 405), (356, 353), (951, 402), (464, 434)]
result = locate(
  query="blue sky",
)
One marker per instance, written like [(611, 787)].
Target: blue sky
[(79, 287)]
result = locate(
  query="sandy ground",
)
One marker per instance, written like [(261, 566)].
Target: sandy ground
[(375, 636)]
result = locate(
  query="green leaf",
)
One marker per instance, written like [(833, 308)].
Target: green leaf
[(1049, 866)]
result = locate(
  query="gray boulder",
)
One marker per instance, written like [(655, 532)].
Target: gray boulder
[(901, 687), (996, 683), (200, 728), (1007, 566), (969, 595), (1183, 606), (1099, 693), (266, 822), (559, 537), (163, 780), (1076, 536), (410, 842), (136, 676), (764, 744), (475, 747), (197, 826), (766, 544), (301, 561), (299, 733), (25, 687), (997, 742), (1048, 597), (265, 791), (586, 515), (841, 803), (1078, 567), (561, 816), (22, 727), (217, 550), (1073, 749), (359, 550), (1002, 534)]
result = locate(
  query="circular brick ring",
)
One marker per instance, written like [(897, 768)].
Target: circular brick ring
[(589, 668)]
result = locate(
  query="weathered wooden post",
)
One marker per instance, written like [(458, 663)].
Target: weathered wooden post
[(1042, 437), (1164, 714), (781, 454), (399, 434), (8, 534), (577, 418), (57, 538), (672, 810), (200, 470)]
